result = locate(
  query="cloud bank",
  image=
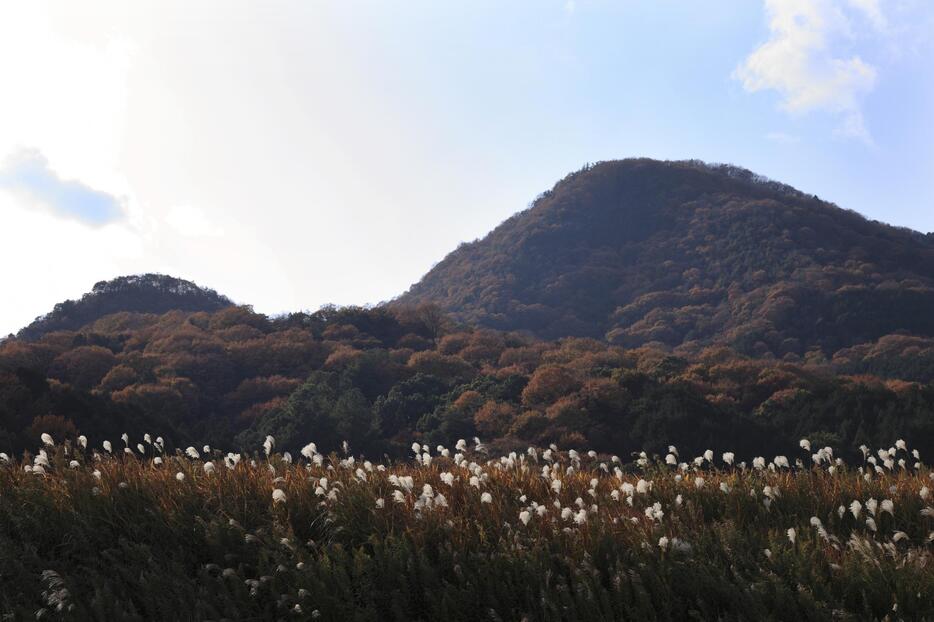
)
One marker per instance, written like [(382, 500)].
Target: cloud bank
[(801, 61), (28, 175)]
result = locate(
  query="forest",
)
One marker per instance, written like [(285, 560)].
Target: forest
[(381, 377)]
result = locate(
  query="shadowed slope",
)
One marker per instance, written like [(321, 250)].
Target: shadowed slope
[(146, 293), (689, 254)]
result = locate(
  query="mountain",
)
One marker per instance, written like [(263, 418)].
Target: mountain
[(145, 293), (687, 255), (683, 303)]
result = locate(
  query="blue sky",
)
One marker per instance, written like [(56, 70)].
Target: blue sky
[(292, 154)]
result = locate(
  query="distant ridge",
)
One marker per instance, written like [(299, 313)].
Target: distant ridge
[(687, 255), (143, 293)]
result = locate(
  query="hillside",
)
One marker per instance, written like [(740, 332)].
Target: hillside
[(381, 378), (686, 255), (145, 293)]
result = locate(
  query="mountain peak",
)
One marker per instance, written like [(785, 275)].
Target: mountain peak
[(688, 254), (141, 293)]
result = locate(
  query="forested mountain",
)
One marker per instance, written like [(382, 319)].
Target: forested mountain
[(145, 293), (638, 303), (685, 255)]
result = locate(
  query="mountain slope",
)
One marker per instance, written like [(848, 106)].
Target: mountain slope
[(689, 254), (146, 293)]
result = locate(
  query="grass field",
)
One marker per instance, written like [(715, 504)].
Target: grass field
[(135, 534)]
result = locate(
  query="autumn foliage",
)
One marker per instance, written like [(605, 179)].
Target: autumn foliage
[(381, 377)]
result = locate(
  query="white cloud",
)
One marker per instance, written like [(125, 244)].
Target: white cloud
[(27, 174), (800, 60)]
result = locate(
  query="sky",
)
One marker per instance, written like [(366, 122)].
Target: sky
[(291, 154)]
